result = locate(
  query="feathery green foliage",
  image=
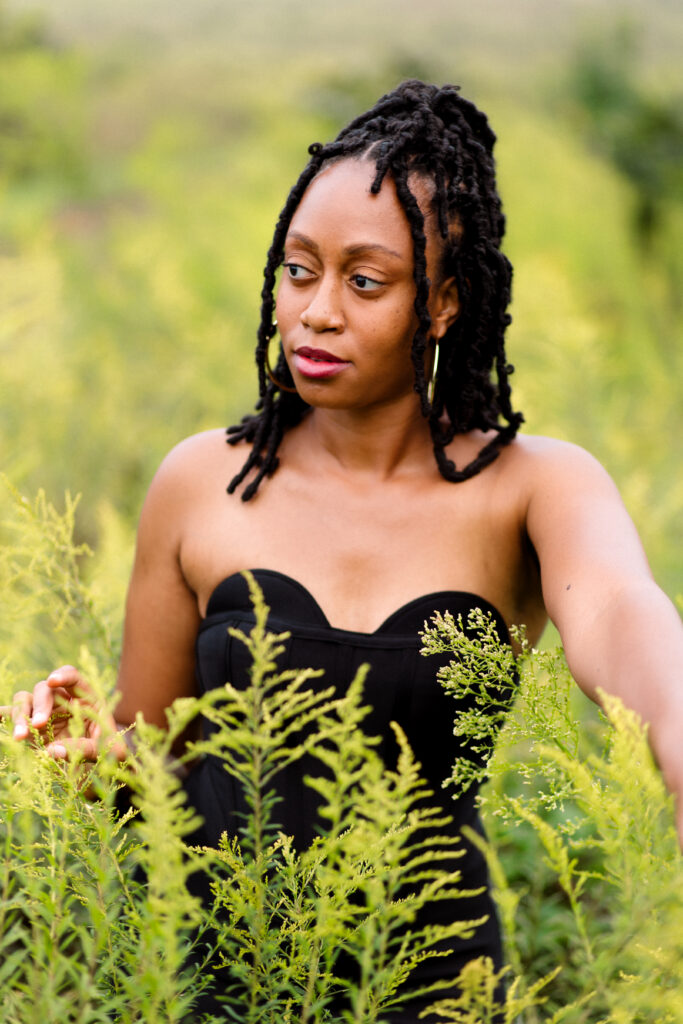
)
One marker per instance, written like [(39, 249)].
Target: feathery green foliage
[(82, 937), (287, 917), (583, 855), (97, 924)]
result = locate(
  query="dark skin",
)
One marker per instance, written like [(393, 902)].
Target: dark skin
[(358, 512)]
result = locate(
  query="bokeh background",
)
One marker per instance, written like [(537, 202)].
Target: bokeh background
[(147, 147)]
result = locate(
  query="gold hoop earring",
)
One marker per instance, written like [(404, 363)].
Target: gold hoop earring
[(271, 376)]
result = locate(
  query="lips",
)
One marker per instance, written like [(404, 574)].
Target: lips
[(318, 355), (318, 363)]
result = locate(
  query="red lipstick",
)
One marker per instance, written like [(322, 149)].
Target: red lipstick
[(317, 363)]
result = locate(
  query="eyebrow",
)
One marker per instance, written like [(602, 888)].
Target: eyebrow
[(352, 250)]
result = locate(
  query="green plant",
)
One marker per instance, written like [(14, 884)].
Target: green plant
[(97, 923), (287, 917), (583, 854)]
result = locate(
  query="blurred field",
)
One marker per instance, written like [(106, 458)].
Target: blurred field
[(145, 151)]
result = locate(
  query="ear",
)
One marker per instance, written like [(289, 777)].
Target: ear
[(444, 307)]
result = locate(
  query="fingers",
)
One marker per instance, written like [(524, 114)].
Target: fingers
[(43, 705), (33, 710), (83, 748), (70, 678), (59, 701), (20, 712)]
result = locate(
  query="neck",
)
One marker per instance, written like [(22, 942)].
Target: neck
[(383, 442)]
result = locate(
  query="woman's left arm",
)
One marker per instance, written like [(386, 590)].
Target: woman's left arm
[(620, 632)]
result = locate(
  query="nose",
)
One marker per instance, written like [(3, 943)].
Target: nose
[(324, 312)]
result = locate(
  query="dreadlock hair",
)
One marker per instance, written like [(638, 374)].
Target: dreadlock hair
[(436, 134)]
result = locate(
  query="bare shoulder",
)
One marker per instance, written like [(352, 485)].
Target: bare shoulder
[(534, 450), (197, 453), (198, 458), (526, 454), (576, 521), (547, 467), (186, 477), (562, 487)]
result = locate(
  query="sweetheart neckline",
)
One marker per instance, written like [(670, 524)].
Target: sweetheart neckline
[(433, 595)]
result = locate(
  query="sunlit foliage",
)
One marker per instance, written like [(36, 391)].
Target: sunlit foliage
[(139, 178), (97, 923)]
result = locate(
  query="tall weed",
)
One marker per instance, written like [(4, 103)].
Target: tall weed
[(583, 852), (97, 922)]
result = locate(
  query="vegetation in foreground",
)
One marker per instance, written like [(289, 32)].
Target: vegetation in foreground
[(97, 923)]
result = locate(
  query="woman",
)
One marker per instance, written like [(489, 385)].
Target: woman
[(383, 471)]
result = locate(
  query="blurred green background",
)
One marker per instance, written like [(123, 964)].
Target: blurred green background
[(146, 149)]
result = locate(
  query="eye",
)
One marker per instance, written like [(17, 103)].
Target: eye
[(298, 273), (364, 283)]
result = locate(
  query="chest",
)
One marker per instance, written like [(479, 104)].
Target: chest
[(364, 552)]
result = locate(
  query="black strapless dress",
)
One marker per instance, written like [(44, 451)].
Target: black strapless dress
[(401, 687)]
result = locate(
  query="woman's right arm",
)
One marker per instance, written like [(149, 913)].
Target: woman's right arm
[(162, 617), (157, 662)]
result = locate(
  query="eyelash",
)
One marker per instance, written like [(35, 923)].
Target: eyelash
[(295, 266), (364, 277), (355, 278)]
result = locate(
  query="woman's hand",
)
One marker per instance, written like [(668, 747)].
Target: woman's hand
[(64, 709)]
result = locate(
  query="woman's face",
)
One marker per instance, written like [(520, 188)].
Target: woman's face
[(345, 304)]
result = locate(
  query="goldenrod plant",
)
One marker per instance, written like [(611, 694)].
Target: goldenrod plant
[(583, 853), (356, 891), (97, 922)]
